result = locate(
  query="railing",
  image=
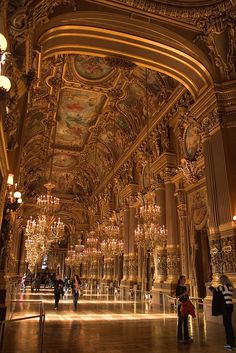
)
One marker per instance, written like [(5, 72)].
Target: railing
[(171, 303), (41, 316)]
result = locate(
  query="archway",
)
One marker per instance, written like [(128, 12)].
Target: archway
[(153, 46)]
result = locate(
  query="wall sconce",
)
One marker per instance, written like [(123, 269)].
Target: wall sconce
[(13, 196), (5, 83), (234, 218)]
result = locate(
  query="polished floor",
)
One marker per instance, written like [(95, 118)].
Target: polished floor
[(103, 324)]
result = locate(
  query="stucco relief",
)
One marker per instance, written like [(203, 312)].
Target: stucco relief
[(197, 205)]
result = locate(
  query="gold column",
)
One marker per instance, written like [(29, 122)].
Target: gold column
[(173, 259), (219, 151), (159, 254), (184, 233), (133, 259)]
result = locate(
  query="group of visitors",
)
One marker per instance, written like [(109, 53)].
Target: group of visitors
[(60, 286), (222, 305)]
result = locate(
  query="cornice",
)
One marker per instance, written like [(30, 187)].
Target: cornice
[(177, 11)]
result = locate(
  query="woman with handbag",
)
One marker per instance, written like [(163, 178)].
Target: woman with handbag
[(183, 297)]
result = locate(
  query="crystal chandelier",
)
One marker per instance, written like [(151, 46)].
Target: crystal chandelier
[(112, 243), (74, 256), (48, 203), (41, 234), (92, 249), (149, 212), (46, 229), (149, 234)]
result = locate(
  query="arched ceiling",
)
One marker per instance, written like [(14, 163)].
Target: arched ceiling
[(88, 105), (102, 108)]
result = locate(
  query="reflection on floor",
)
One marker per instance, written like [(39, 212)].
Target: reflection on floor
[(103, 324)]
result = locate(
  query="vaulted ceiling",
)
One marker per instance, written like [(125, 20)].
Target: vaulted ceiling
[(103, 105)]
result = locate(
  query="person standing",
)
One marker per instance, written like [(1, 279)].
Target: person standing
[(58, 290), (75, 286), (182, 326), (227, 289), (23, 280)]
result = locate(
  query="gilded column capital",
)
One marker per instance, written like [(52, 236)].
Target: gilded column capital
[(211, 124), (158, 182), (167, 174)]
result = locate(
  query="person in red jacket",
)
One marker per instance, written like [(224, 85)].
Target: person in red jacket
[(183, 296)]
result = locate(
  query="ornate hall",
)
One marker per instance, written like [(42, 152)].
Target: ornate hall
[(117, 172)]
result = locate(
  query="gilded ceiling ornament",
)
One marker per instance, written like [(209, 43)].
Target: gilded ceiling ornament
[(219, 36), (190, 170), (119, 62), (167, 173), (187, 14), (211, 123)]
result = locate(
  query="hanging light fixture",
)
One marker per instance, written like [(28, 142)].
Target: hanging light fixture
[(13, 195), (149, 233), (46, 229), (5, 83)]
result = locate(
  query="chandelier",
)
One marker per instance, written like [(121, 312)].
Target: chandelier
[(48, 203), (112, 247), (75, 255), (92, 250), (149, 212), (149, 234), (46, 229), (112, 243)]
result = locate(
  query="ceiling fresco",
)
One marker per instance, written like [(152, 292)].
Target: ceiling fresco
[(101, 110), (91, 67), (78, 111), (64, 160)]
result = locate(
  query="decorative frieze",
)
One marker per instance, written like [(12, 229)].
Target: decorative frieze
[(211, 123), (228, 248), (160, 262), (173, 265), (216, 256), (133, 267)]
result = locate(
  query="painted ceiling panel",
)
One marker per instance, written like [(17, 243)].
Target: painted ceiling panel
[(64, 160), (78, 111), (91, 67), (102, 108)]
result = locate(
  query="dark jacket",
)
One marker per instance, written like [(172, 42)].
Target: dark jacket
[(180, 290), (58, 286), (218, 302)]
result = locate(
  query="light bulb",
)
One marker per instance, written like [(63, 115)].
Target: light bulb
[(17, 195), (3, 43), (5, 83), (10, 179)]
